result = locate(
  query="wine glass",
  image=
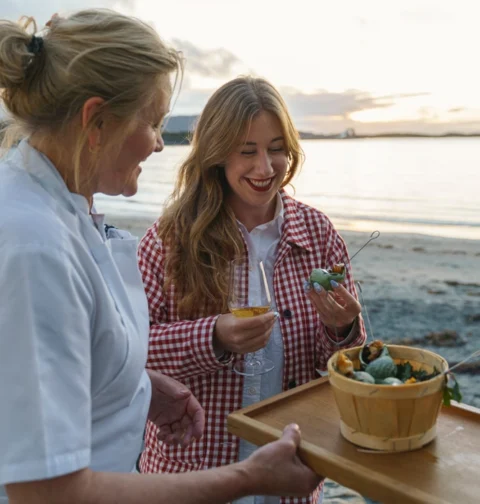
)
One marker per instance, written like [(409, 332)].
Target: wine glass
[(249, 296)]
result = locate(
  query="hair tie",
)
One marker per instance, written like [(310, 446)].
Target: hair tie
[(35, 45)]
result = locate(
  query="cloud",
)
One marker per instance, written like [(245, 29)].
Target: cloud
[(329, 113), (191, 101), (216, 63), (304, 106), (308, 109), (324, 103)]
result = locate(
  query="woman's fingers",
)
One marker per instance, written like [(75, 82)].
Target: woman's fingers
[(337, 308)]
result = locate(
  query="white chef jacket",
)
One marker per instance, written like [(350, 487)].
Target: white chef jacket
[(73, 332)]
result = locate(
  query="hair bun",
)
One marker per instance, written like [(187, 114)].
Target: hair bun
[(15, 56)]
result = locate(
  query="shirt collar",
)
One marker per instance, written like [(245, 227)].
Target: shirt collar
[(39, 166), (278, 217), (295, 229)]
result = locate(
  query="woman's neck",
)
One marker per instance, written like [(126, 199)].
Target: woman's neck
[(253, 216), (65, 170)]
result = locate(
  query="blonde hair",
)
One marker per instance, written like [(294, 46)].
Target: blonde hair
[(198, 228), (93, 53)]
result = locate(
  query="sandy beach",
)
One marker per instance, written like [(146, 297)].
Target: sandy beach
[(418, 290)]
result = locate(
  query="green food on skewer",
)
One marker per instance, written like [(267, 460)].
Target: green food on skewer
[(323, 276)]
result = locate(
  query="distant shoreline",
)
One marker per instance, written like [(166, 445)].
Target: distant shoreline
[(387, 135), (183, 137)]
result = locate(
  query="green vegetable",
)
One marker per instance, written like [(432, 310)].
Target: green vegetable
[(382, 368), (363, 377), (406, 371), (422, 375), (450, 393), (391, 380), (323, 277)]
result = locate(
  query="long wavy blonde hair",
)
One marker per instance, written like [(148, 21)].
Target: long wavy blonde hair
[(198, 228)]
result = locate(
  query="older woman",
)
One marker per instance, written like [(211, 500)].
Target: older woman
[(87, 98)]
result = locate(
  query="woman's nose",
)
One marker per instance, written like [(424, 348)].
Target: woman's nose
[(264, 164), (160, 144)]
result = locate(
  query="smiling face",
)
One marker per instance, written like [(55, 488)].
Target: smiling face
[(256, 169), (119, 174)]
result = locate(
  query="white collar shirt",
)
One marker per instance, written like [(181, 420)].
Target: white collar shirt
[(73, 332)]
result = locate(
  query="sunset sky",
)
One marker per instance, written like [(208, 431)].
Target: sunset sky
[(376, 65)]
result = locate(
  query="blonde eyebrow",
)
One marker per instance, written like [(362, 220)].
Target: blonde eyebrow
[(276, 139)]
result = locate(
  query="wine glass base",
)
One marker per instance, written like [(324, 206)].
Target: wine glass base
[(253, 367)]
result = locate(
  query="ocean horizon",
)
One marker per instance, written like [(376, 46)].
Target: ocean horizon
[(401, 185)]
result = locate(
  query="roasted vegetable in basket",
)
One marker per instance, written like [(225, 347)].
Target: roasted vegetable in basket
[(344, 365), (378, 368), (363, 377), (382, 368), (390, 380), (371, 352)]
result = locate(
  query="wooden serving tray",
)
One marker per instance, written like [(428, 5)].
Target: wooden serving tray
[(446, 471)]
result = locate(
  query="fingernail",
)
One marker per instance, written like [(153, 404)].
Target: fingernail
[(333, 283), (307, 286), (276, 315), (318, 288)]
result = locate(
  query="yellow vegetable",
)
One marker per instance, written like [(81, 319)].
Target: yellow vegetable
[(344, 365)]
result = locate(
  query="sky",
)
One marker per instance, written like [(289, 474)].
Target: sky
[(378, 66)]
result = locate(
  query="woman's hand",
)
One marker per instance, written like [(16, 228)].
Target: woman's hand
[(337, 309), (243, 335), (174, 410), (276, 469)]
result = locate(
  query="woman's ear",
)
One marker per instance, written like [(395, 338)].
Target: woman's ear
[(91, 110)]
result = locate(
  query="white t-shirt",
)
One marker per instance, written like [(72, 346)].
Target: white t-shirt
[(73, 340)]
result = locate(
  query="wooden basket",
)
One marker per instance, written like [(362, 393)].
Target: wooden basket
[(387, 417)]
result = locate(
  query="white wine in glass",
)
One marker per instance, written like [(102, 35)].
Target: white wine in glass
[(243, 304), (250, 311)]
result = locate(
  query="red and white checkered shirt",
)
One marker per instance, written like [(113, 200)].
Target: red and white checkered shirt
[(183, 348)]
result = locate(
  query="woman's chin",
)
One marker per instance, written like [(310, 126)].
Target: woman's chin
[(129, 191), (131, 187)]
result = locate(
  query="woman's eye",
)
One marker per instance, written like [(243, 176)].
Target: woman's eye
[(277, 149), (159, 125), (247, 153)]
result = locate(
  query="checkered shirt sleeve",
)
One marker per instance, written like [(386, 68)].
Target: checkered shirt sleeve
[(179, 348)]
